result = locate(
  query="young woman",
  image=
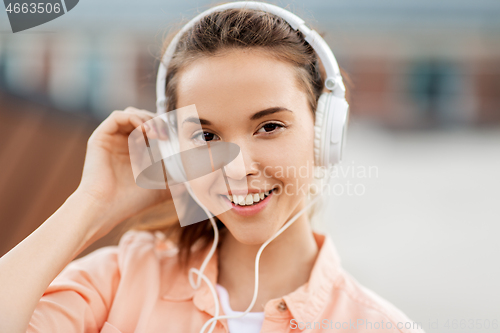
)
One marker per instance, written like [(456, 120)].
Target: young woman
[(255, 82)]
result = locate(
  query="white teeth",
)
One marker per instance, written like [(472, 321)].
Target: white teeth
[(249, 199)]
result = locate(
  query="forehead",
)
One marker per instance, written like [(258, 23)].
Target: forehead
[(243, 80)]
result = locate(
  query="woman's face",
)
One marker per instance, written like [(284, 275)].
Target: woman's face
[(253, 100)]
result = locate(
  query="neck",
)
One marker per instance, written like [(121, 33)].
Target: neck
[(278, 266)]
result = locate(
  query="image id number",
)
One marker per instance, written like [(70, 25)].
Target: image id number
[(33, 8)]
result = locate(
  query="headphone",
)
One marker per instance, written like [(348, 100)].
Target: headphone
[(332, 112)]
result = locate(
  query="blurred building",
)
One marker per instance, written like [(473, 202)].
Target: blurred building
[(412, 64)]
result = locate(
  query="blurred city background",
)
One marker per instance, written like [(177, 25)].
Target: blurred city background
[(425, 112)]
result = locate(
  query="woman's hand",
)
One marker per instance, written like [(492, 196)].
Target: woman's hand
[(107, 174)]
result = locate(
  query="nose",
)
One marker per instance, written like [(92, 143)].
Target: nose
[(242, 166)]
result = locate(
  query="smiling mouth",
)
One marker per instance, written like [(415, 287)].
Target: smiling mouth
[(249, 199)]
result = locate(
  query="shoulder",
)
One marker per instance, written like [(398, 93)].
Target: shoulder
[(115, 256), (333, 294), (370, 310), (136, 247), (111, 262)]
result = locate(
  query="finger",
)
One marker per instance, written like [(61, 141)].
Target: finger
[(142, 115), (157, 122), (152, 120), (125, 122), (161, 127), (143, 111), (119, 122)]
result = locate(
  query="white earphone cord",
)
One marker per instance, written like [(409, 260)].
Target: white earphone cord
[(203, 277)]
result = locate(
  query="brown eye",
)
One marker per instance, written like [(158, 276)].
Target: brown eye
[(204, 137), (269, 127), (208, 136)]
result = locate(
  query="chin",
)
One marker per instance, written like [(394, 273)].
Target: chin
[(251, 234)]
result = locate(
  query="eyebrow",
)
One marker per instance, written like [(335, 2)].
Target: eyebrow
[(269, 111), (195, 120), (257, 115)]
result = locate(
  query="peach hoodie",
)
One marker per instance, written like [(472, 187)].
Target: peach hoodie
[(137, 286)]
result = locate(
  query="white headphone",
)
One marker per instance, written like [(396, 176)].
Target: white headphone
[(332, 112)]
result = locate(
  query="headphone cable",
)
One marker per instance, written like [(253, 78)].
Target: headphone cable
[(202, 276)]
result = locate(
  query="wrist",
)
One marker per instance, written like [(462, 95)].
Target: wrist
[(94, 215)]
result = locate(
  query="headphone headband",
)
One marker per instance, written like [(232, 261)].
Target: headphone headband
[(333, 80)]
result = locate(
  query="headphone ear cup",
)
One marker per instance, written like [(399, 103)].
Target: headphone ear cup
[(330, 129), (336, 117), (318, 129)]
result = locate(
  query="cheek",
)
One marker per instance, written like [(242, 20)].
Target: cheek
[(207, 190), (291, 159)]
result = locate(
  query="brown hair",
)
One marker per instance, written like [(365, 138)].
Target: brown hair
[(215, 34)]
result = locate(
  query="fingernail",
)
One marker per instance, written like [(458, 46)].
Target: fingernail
[(146, 127)]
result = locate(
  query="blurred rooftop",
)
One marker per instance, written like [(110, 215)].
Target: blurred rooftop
[(390, 16)]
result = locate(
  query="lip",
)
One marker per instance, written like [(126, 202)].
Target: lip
[(250, 210)]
